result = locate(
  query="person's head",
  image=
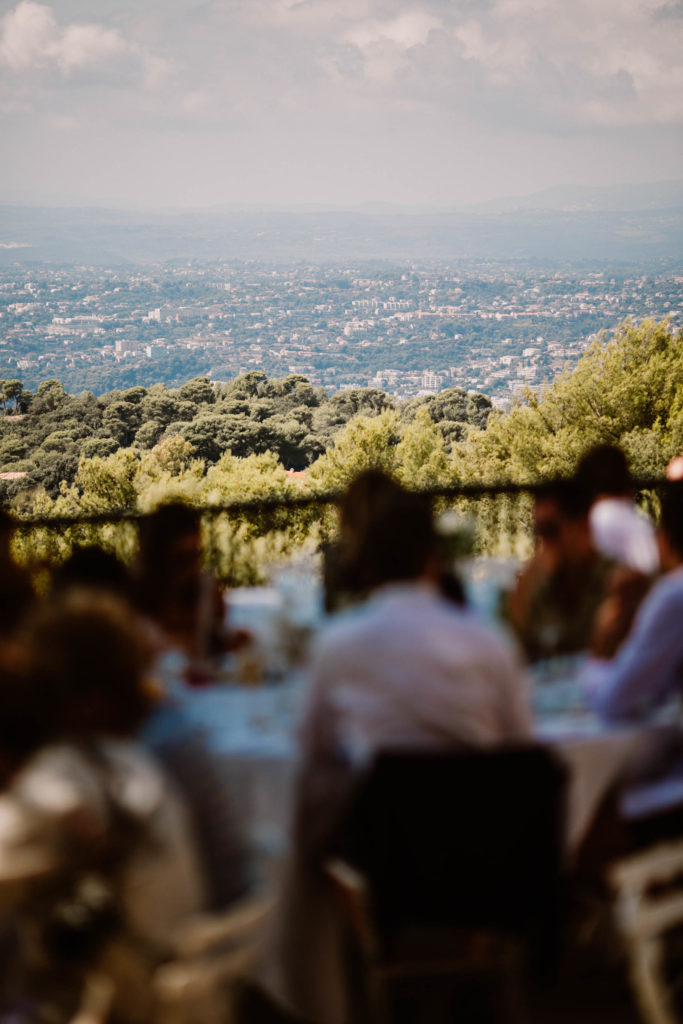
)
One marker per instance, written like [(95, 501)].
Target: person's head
[(561, 521), (363, 499), (603, 471), (91, 566), (399, 542), (670, 533), (88, 656), (172, 531), (169, 557)]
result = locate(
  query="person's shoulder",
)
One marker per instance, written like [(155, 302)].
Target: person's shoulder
[(342, 627), (472, 629), (667, 591)]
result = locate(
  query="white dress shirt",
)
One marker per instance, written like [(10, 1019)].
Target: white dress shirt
[(411, 668), (620, 531)]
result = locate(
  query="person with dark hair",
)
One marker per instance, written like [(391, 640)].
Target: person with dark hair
[(92, 566), (169, 582), (90, 804), (343, 577), (648, 667), (619, 530), (554, 603), (409, 666)]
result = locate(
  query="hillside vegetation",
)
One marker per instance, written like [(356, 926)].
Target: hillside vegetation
[(218, 444)]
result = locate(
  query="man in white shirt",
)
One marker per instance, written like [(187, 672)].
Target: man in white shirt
[(409, 667)]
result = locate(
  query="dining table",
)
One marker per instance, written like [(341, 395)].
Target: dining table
[(252, 729)]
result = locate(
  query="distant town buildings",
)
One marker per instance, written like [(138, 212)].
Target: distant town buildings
[(406, 329)]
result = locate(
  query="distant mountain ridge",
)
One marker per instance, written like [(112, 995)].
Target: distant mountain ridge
[(629, 223), (592, 198)]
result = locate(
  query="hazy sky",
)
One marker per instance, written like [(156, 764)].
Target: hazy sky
[(182, 103)]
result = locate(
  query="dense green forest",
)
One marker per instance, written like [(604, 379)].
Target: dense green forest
[(218, 444), (51, 435)]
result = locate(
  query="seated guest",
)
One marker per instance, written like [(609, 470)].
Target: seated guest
[(619, 530), (170, 584), (553, 605), (90, 804), (409, 666), (362, 500), (176, 593), (91, 566), (648, 667)]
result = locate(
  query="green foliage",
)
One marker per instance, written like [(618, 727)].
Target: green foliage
[(453, 411), (421, 454), (219, 445), (627, 389), (367, 442)]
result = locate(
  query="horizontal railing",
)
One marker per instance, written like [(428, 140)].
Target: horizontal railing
[(244, 540), (303, 501)]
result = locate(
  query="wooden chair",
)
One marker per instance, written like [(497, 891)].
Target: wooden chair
[(648, 908), (449, 868)]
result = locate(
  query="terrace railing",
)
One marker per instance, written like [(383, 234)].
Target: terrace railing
[(243, 539)]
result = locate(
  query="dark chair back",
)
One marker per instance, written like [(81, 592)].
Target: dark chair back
[(470, 840)]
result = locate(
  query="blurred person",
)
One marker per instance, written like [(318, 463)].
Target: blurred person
[(173, 589), (648, 667), (344, 576), (553, 605), (187, 604), (362, 500), (619, 529), (91, 566), (408, 668), (16, 593), (170, 583), (614, 617), (26, 724), (92, 809)]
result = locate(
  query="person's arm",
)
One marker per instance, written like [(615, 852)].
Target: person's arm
[(646, 669)]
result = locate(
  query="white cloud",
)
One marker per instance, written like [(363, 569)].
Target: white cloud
[(31, 39), (28, 36), (409, 29), (82, 46)]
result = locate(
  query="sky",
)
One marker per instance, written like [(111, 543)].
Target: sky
[(178, 103)]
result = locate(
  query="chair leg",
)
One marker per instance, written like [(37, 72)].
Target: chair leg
[(513, 1007), (648, 982)]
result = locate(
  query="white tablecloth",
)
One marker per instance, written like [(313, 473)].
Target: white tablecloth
[(599, 758), (253, 730)]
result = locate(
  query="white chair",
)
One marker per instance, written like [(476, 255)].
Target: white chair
[(648, 907)]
